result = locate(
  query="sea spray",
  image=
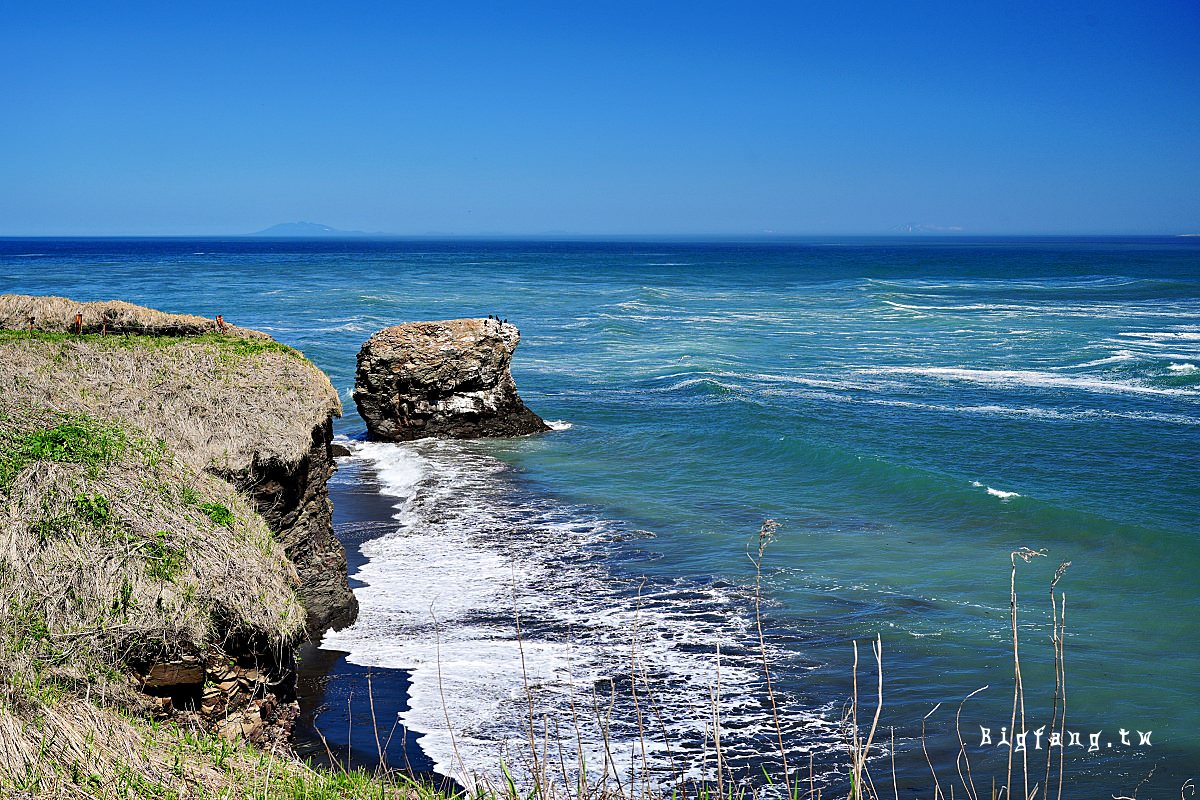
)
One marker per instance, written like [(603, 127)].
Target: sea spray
[(471, 554)]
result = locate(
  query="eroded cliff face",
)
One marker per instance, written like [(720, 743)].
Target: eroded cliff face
[(446, 379), (294, 500)]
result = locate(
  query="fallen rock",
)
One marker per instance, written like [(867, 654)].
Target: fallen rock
[(185, 671), (229, 729), (446, 379)]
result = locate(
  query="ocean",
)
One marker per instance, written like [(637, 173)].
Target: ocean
[(910, 411)]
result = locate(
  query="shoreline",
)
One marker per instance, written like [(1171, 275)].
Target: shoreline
[(335, 696)]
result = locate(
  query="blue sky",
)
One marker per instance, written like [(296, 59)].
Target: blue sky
[(600, 117)]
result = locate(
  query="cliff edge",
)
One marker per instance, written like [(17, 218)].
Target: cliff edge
[(166, 534), (228, 401)]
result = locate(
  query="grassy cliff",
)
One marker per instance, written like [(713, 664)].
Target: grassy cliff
[(163, 523)]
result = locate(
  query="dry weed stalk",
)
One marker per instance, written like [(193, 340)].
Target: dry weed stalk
[(1058, 622), (766, 534), (860, 750), (1026, 555)]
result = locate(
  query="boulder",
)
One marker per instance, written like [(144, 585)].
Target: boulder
[(170, 674), (447, 379)]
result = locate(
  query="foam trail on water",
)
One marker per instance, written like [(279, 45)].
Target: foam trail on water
[(1028, 378), (473, 553), (1003, 495)]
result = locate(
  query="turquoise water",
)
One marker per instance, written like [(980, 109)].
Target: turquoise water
[(909, 411)]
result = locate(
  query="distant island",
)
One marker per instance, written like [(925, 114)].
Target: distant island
[(306, 230)]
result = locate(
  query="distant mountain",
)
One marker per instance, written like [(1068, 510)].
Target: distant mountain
[(913, 227), (305, 230)]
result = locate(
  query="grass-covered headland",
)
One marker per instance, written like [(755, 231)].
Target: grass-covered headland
[(148, 610)]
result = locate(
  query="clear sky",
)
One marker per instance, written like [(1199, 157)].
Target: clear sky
[(600, 117)]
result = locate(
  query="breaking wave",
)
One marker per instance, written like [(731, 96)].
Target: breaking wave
[(599, 655)]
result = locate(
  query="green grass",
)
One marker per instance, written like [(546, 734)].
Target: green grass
[(218, 513), (163, 562), (75, 440), (229, 345), (93, 508)]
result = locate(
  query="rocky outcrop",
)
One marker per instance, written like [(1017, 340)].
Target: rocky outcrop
[(247, 694), (293, 497), (446, 379)]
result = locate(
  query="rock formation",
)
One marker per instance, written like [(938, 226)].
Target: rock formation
[(446, 379)]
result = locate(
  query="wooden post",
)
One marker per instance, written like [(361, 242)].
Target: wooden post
[(31, 324), (79, 324)]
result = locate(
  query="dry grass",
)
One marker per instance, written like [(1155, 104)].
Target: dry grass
[(115, 551), (119, 547), (72, 748), (136, 554), (220, 402), (58, 315)]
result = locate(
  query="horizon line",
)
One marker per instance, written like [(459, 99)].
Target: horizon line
[(584, 237)]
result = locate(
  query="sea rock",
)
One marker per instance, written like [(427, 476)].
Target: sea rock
[(447, 379)]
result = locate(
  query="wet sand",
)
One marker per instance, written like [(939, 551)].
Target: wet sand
[(336, 696)]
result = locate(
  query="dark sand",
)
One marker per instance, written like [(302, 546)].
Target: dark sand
[(335, 701)]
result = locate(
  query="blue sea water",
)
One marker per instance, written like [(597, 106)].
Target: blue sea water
[(910, 412)]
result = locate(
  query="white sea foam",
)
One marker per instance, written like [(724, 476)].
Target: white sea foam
[(348, 327), (1003, 495), (1163, 336), (858, 392), (700, 381), (559, 425), (1155, 309), (471, 551), (1183, 369), (1115, 358), (1017, 377)]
